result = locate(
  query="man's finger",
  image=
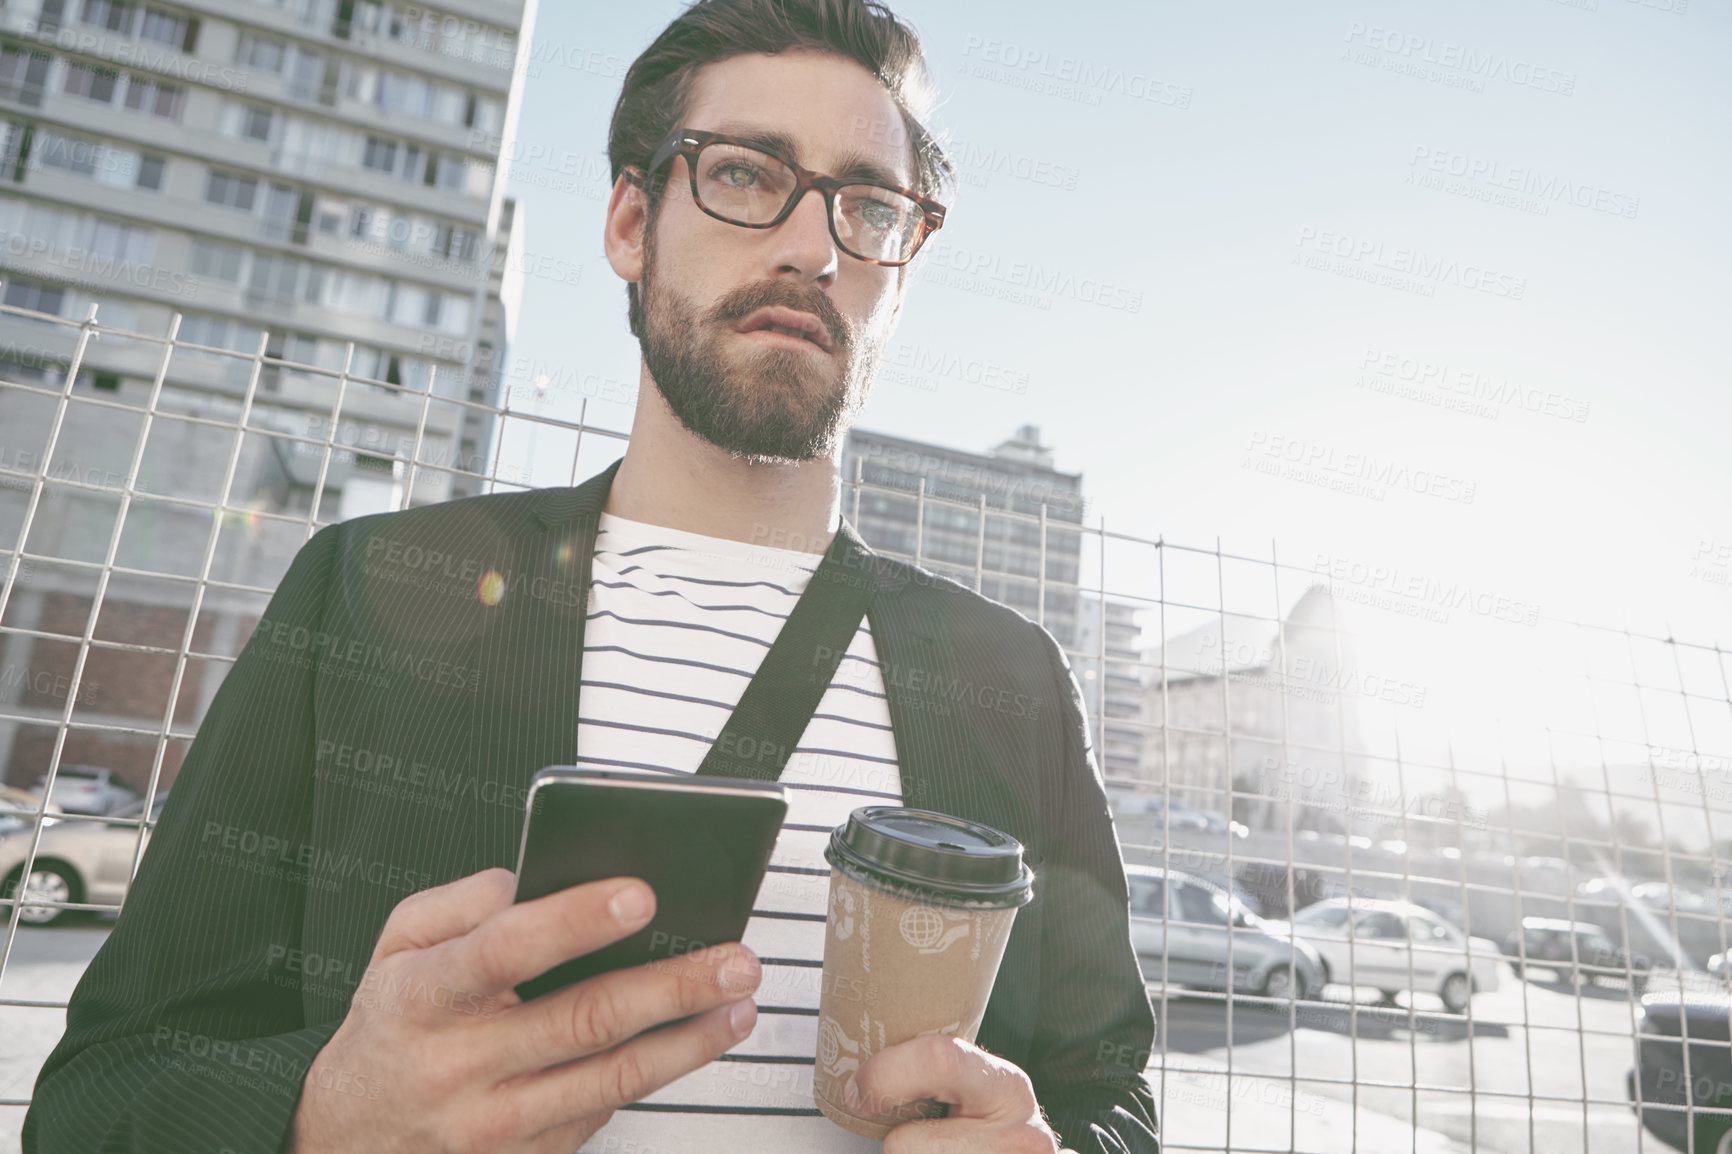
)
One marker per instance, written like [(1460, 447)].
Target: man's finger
[(526, 939), (444, 912), (954, 1135), (636, 1069), (608, 1009), (975, 1083)]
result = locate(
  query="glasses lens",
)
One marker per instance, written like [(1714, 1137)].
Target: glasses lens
[(742, 184), (877, 223)]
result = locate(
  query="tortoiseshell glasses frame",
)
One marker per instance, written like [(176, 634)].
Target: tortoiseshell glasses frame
[(689, 143)]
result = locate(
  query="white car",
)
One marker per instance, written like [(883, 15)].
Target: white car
[(77, 860), (1395, 945), (88, 789)]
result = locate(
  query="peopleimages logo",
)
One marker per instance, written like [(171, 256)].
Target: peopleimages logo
[(1025, 275), (1363, 474), (95, 269), (340, 656), (1374, 254), (1481, 66), (1070, 77), (1516, 179)]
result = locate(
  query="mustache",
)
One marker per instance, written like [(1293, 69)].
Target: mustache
[(748, 299)]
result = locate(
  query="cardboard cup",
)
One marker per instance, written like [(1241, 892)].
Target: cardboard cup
[(896, 968)]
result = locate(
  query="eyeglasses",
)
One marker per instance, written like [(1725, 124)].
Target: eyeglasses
[(744, 185)]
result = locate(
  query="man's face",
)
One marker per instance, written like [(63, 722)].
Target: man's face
[(708, 287)]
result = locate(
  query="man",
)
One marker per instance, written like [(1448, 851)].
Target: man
[(270, 986)]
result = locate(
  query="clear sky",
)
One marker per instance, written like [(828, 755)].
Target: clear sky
[(1436, 291)]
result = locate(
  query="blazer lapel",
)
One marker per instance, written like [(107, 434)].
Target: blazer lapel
[(532, 659), (944, 762)]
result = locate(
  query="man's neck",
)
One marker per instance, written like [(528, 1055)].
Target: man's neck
[(673, 478)]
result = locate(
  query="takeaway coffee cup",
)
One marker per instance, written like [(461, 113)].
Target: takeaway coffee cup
[(921, 905)]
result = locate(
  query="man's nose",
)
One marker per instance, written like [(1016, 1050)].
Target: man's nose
[(802, 242)]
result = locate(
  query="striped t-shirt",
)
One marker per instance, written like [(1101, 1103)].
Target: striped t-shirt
[(678, 623)]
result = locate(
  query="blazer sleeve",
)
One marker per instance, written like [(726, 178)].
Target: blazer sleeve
[(1095, 1028), (179, 1038)]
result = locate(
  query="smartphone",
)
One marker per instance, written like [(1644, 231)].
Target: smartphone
[(702, 843)]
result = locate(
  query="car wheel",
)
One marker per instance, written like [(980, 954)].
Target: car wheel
[(1455, 992), (1278, 983), (49, 882)]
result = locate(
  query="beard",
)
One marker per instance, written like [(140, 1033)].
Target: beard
[(766, 404)]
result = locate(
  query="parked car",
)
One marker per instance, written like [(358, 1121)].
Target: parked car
[(1448, 909), (76, 861), (1547, 944), (1396, 945), (1659, 1071), (88, 789), (18, 808), (1191, 920)]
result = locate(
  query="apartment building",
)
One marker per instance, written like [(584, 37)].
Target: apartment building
[(308, 181)]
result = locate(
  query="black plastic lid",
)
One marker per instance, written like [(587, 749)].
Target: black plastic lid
[(941, 858)]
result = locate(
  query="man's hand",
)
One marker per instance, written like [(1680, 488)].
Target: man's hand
[(992, 1104), (439, 1054)]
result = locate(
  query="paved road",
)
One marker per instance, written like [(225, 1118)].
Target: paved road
[(1537, 1037), (45, 966), (1534, 1036)]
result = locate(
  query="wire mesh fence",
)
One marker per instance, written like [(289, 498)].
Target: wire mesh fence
[(1356, 936)]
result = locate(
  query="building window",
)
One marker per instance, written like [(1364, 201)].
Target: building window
[(455, 242), (153, 97), (285, 279), (169, 28), (281, 203), (150, 172), (380, 155), (23, 75), (114, 15), (256, 123), (96, 84), (231, 191), (120, 242), (29, 294), (264, 53), (106, 382), (216, 261), (52, 150), (451, 172)]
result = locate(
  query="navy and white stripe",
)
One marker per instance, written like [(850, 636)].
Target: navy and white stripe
[(678, 624)]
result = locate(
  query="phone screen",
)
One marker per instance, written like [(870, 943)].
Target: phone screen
[(702, 843)]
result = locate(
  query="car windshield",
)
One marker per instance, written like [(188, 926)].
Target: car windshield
[(1326, 917)]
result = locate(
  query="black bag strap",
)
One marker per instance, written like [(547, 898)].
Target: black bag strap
[(783, 695)]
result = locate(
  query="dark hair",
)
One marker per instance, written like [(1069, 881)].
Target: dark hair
[(658, 87)]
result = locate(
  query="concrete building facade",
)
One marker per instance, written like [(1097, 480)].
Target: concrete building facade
[(327, 172), (1015, 477)]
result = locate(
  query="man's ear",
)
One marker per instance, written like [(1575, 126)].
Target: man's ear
[(622, 233)]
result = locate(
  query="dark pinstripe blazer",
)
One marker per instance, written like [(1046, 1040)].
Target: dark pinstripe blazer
[(377, 735)]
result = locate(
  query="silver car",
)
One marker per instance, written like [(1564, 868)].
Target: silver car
[(86, 859), (1395, 945), (88, 789), (1190, 920)]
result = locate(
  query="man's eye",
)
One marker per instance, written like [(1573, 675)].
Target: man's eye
[(877, 215), (738, 175)]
